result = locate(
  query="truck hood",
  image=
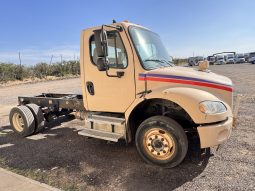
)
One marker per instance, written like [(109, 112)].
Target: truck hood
[(188, 76)]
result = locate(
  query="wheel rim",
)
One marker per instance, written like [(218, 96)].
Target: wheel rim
[(159, 144), (18, 122)]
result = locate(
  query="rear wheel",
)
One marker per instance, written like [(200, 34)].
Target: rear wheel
[(38, 115), (162, 141), (22, 121)]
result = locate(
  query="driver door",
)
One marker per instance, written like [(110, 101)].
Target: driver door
[(104, 93)]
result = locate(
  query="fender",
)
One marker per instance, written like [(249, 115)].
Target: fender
[(188, 99)]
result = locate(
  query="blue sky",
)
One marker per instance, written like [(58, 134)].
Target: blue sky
[(41, 28)]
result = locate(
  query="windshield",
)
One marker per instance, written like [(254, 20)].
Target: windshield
[(200, 58), (150, 49), (211, 58), (240, 56)]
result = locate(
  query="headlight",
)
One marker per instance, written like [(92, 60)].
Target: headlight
[(212, 107)]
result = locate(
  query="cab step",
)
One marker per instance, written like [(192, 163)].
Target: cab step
[(100, 134), (102, 119)]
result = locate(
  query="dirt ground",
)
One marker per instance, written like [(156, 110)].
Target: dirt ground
[(60, 157)]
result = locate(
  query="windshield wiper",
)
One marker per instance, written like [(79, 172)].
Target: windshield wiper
[(161, 61), (168, 62)]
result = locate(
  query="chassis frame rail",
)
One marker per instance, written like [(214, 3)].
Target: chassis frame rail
[(55, 101)]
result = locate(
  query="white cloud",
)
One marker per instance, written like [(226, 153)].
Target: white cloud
[(33, 56)]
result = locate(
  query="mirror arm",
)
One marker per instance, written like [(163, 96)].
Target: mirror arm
[(119, 74), (118, 27)]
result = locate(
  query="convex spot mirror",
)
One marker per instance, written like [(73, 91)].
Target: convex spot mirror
[(101, 64)]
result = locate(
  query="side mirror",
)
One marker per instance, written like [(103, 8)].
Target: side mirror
[(101, 45), (101, 64)]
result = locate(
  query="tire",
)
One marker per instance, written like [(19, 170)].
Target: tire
[(161, 141), (38, 115), (22, 121)]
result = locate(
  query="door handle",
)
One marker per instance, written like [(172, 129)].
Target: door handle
[(90, 88)]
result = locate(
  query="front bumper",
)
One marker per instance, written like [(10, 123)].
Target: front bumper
[(240, 61), (230, 62), (215, 134)]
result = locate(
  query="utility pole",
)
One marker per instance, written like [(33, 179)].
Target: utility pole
[(19, 60), (51, 59), (49, 68), (20, 75), (61, 59), (61, 64)]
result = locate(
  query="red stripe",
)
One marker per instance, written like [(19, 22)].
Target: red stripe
[(187, 82)]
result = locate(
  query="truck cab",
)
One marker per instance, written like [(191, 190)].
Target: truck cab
[(211, 60), (251, 58), (139, 82), (132, 91), (230, 59), (220, 60), (239, 58)]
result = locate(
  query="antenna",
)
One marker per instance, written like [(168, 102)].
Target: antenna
[(61, 58)]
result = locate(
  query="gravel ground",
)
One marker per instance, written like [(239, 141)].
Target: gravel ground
[(60, 157)]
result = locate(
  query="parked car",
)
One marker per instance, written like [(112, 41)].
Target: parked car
[(199, 58), (252, 58), (230, 59), (220, 59), (211, 59), (193, 61), (239, 58)]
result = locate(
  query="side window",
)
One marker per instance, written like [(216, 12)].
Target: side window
[(117, 55)]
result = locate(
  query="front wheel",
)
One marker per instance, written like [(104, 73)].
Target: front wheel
[(162, 141)]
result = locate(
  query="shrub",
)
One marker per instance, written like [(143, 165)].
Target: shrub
[(9, 71), (180, 61)]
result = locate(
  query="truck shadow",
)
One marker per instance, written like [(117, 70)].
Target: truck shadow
[(91, 162)]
